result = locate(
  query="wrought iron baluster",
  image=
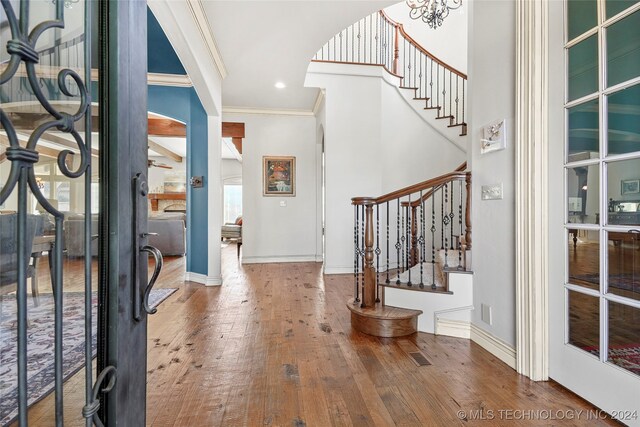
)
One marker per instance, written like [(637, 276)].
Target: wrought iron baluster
[(422, 240), (377, 252), (359, 33), (409, 242), (388, 265), (457, 100), (403, 239), (398, 245), (433, 239), (460, 228), (445, 223), (431, 85)]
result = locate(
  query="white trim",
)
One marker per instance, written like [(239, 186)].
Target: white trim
[(532, 191), (177, 80), (202, 22), (319, 99), (277, 259), (453, 328), (202, 279), (267, 111), (338, 270), (494, 345)]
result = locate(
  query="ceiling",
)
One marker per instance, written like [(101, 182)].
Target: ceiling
[(262, 42)]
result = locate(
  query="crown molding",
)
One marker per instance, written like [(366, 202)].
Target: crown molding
[(267, 111), (202, 22), (177, 80)]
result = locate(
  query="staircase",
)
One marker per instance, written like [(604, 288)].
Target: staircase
[(432, 84), (412, 239)]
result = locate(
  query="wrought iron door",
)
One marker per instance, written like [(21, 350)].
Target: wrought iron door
[(73, 157)]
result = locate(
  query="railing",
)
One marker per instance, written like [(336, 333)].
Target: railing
[(378, 40), (425, 227)]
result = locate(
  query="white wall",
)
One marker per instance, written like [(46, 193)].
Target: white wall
[(272, 233), (374, 143), (156, 175), (447, 42), (231, 171), (491, 97)]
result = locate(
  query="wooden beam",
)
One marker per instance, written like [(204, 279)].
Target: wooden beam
[(44, 151), (164, 151), (55, 139), (238, 144), (159, 126), (232, 130)]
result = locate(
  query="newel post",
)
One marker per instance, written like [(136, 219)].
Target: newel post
[(369, 291), (467, 216), (396, 50)]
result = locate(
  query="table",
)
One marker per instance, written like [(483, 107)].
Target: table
[(40, 245)]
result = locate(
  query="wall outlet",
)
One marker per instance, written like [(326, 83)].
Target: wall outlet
[(486, 314), (283, 204), (492, 192)]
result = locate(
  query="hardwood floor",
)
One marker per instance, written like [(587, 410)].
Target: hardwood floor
[(274, 347)]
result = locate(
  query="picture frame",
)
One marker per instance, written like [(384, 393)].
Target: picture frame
[(630, 186), (279, 176)]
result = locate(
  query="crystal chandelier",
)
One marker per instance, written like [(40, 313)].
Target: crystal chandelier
[(432, 12), (67, 3)]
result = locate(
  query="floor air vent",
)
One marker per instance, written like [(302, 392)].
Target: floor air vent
[(419, 358)]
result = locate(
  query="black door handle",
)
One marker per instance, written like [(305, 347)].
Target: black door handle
[(157, 255)]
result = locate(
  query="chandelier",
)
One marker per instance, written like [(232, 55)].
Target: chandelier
[(432, 12), (67, 3)]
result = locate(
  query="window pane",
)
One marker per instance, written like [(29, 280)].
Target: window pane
[(62, 196), (616, 6), (623, 192), (583, 187), (584, 256), (232, 203), (583, 68), (624, 264), (624, 336), (623, 121), (584, 130), (584, 322), (582, 16), (623, 50)]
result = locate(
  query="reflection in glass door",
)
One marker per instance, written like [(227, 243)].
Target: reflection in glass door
[(602, 185), (48, 216)]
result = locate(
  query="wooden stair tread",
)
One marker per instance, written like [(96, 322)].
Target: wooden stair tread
[(416, 287), (380, 311)]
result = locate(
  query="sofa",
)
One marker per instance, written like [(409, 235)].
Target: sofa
[(233, 231), (170, 229)]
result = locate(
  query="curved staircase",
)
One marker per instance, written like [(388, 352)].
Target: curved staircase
[(425, 237)]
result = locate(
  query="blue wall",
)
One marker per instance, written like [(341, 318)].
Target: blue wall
[(161, 58), (183, 104)]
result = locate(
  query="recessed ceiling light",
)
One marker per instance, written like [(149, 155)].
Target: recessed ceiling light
[(280, 85)]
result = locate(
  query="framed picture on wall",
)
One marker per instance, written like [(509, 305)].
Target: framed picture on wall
[(630, 186), (279, 176)]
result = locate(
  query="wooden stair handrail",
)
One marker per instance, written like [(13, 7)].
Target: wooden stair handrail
[(428, 184), (428, 194), (410, 39)]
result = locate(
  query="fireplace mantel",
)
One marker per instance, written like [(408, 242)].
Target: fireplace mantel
[(156, 197)]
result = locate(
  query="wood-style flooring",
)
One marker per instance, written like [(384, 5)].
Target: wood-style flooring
[(273, 346)]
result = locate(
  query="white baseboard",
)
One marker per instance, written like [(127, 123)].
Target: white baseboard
[(453, 328), (338, 270), (275, 259), (494, 345), (202, 279)]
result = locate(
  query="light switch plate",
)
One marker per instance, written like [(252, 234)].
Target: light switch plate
[(492, 192), (283, 204)]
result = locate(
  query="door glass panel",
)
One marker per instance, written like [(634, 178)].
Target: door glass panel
[(583, 68), (582, 16), (613, 7), (623, 50), (623, 192), (623, 134), (584, 322), (584, 258), (58, 49), (624, 263), (624, 336), (583, 189), (584, 127)]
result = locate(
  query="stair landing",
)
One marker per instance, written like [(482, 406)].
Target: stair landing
[(383, 320)]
